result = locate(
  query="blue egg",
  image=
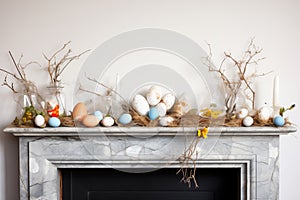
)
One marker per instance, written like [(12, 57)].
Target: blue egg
[(98, 114), (125, 119), (153, 113), (278, 121), (54, 122)]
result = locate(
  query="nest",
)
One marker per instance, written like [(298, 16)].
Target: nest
[(67, 121), (235, 122)]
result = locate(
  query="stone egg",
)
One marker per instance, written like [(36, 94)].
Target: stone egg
[(162, 109), (153, 113), (264, 114), (154, 95), (166, 121), (90, 121), (242, 113), (107, 121), (248, 121), (125, 118), (54, 122), (278, 121), (79, 111), (98, 114), (140, 104), (39, 121), (169, 100)]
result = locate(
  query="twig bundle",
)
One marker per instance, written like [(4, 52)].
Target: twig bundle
[(57, 63)]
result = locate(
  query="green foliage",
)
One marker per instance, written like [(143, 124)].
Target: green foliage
[(282, 110)]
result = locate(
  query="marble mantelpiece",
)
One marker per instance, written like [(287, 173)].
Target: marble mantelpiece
[(42, 152)]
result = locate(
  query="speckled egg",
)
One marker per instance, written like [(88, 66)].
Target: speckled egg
[(248, 121), (39, 121), (162, 109), (90, 121), (278, 121), (98, 114), (107, 121), (79, 111), (125, 118), (140, 104), (169, 100), (153, 113), (54, 122), (242, 113), (154, 95), (166, 121), (264, 114)]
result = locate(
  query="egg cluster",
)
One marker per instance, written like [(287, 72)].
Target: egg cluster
[(155, 105), (80, 114), (264, 114)]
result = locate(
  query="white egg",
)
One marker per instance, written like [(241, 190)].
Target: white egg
[(166, 121), (162, 109), (39, 120), (169, 100), (140, 104), (264, 114), (107, 121), (248, 121), (242, 113), (154, 95)]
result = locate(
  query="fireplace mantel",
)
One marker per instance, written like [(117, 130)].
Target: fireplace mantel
[(42, 152)]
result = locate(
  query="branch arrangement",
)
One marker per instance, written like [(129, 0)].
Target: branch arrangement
[(59, 61), (21, 78), (239, 82)]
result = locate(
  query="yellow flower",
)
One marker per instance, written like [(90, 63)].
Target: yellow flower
[(210, 113), (203, 133)]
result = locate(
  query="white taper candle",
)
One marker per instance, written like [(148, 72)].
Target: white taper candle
[(117, 87), (276, 92)]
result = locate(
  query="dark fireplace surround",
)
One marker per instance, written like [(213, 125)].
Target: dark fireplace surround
[(249, 153)]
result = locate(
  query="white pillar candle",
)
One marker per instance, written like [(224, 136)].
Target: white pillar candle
[(276, 92)]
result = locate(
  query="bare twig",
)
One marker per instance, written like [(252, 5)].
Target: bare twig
[(16, 65), (56, 67), (110, 90), (88, 91), (11, 74), (188, 164), (10, 86)]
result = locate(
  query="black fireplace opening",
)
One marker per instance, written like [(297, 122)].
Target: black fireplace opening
[(162, 184)]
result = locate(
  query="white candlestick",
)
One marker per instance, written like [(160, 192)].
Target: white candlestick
[(276, 92), (117, 87)]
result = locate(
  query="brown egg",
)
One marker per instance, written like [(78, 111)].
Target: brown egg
[(79, 111), (90, 121)]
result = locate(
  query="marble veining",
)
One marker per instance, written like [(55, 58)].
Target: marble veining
[(42, 152)]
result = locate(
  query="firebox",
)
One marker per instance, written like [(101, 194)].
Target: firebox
[(113, 184)]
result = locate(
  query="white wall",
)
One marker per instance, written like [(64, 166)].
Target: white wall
[(35, 26)]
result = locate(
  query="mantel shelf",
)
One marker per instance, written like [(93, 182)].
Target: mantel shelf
[(145, 131)]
